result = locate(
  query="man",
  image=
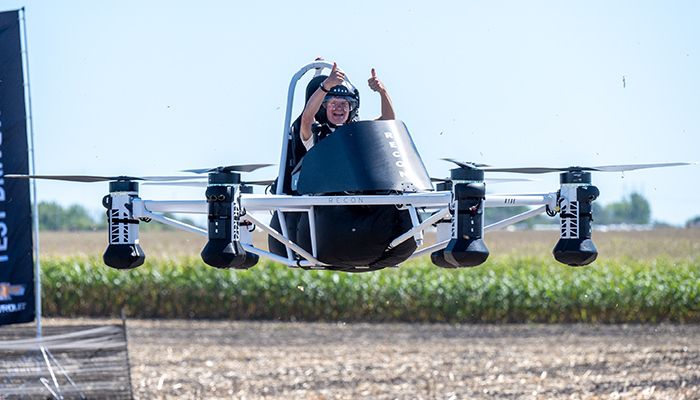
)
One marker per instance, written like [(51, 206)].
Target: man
[(335, 102)]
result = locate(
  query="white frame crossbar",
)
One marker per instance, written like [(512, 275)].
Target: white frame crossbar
[(436, 203), (434, 200)]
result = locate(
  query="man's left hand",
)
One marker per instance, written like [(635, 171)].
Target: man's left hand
[(375, 84)]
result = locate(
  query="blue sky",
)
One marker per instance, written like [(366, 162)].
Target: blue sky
[(151, 88)]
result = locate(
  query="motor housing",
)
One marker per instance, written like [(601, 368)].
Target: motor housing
[(575, 246), (466, 247), (224, 248), (123, 250)]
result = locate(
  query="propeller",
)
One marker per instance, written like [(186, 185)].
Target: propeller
[(95, 178), (229, 168), (543, 170), (490, 180), (98, 178), (466, 164), (601, 168), (205, 184)]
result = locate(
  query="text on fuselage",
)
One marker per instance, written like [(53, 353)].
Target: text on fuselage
[(345, 200), (399, 162)]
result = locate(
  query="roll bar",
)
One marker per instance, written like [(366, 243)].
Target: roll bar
[(288, 115)]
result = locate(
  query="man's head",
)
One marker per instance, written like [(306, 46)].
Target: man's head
[(341, 103), (345, 91), (338, 108)]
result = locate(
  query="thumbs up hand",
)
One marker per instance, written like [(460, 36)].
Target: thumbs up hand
[(336, 77), (374, 83)]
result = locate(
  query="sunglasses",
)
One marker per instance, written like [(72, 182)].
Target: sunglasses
[(341, 104)]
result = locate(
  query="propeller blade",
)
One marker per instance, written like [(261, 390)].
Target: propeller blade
[(204, 184), (262, 182), (96, 178), (70, 178), (190, 184), (602, 168), (534, 170), (489, 180), (469, 165), (229, 168), (163, 178), (632, 167)]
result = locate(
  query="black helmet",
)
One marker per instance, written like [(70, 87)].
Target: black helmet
[(345, 90), (350, 93)]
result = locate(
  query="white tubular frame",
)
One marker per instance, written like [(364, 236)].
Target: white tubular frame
[(432, 200), (317, 65), (437, 202), (290, 245), (418, 228), (429, 249)]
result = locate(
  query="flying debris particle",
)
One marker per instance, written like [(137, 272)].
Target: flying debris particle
[(159, 387)]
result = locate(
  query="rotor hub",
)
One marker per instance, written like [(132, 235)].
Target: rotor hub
[(576, 176), (224, 178), (467, 174), (123, 185)]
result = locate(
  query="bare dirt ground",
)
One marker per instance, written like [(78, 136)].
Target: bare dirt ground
[(270, 360)]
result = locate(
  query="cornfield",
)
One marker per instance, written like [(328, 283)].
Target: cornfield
[(506, 289)]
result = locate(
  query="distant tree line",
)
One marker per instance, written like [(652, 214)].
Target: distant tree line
[(633, 209), (54, 217), (693, 222)]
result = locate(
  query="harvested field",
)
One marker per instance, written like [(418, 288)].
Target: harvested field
[(274, 360), (206, 359)]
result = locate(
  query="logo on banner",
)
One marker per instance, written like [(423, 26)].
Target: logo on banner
[(7, 291), (3, 226)]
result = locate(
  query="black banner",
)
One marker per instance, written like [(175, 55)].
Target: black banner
[(16, 258)]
